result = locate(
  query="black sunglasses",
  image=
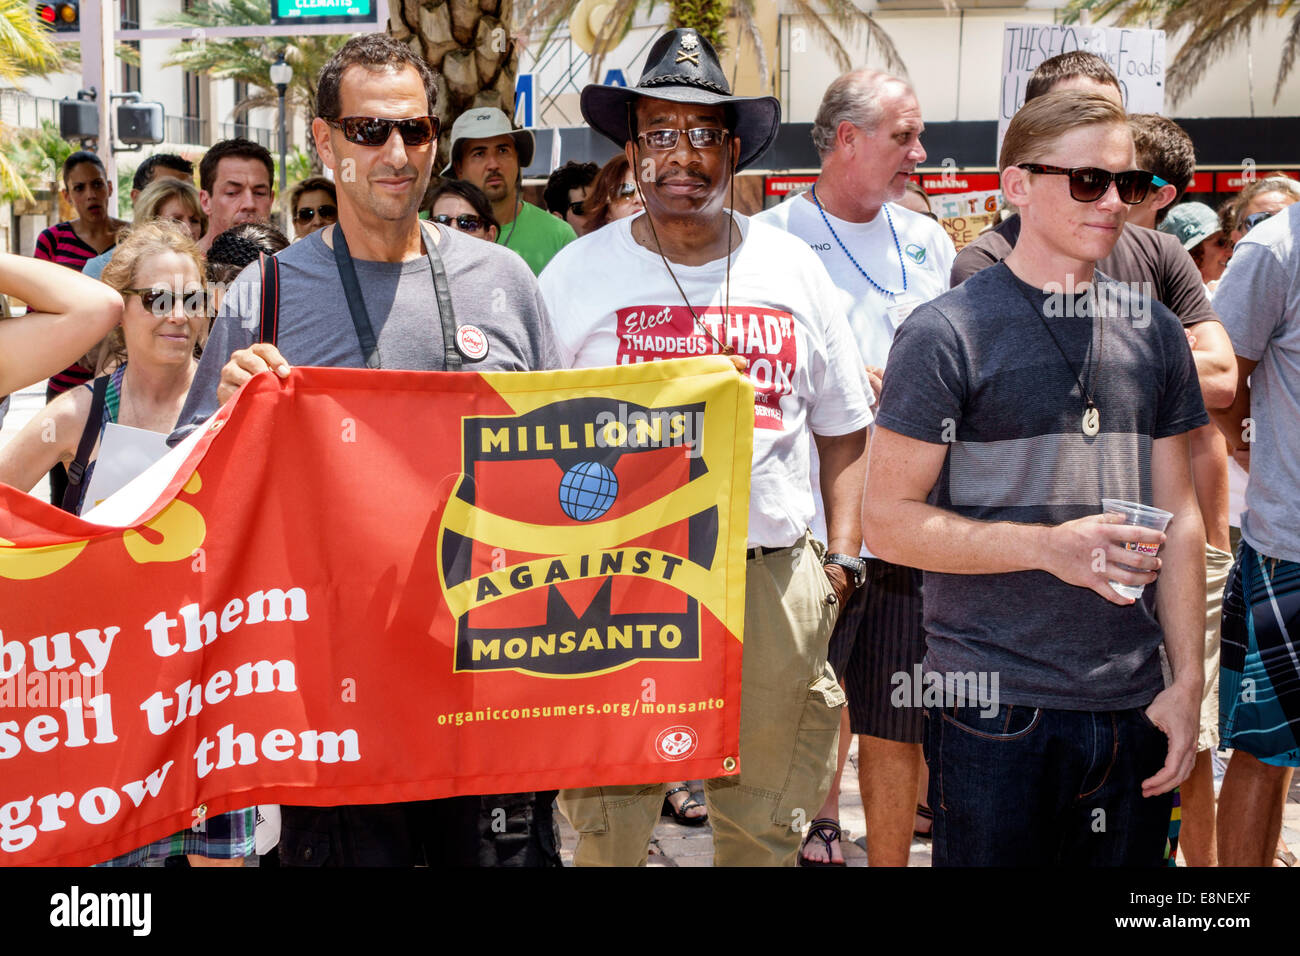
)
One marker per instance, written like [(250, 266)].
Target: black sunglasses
[(576, 208), (375, 130), (161, 301), (1089, 184), (327, 213), (463, 223)]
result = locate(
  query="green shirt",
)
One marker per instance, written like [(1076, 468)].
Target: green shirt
[(536, 235)]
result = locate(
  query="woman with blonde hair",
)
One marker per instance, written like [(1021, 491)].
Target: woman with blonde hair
[(172, 199), (158, 271)]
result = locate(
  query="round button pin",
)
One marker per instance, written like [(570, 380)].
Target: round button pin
[(471, 342)]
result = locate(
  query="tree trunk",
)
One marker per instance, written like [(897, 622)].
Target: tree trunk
[(469, 44)]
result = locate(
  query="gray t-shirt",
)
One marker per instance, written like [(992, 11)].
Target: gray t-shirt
[(1259, 302), (977, 369), (491, 288)]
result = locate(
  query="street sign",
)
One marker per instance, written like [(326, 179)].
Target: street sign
[(524, 92), (287, 12)]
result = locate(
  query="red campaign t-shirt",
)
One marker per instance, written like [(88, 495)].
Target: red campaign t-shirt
[(613, 302)]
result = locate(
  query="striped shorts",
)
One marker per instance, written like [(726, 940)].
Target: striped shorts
[(880, 634), (1259, 676)]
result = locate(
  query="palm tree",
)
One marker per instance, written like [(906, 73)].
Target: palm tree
[(249, 59), (470, 45), (26, 49), (708, 18), (1216, 27)]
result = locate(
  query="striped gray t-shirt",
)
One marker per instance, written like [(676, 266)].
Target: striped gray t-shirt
[(977, 369)]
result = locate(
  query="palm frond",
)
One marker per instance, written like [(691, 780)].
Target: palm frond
[(744, 14), (12, 186), (1207, 44), (26, 45), (1290, 47), (819, 27)]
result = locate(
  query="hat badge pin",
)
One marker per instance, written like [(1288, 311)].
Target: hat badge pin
[(689, 51)]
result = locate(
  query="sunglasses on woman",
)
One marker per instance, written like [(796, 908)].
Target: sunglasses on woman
[(1088, 183), (375, 130), (1254, 219), (624, 191), (161, 301), (463, 223), (326, 212)]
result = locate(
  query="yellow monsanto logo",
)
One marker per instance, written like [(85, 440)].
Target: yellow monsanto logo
[(578, 537)]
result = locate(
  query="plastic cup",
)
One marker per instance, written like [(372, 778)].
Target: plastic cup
[(1144, 516)]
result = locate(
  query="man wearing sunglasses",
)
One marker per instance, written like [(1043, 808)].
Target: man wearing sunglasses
[(490, 153), (566, 190), (365, 292), (1152, 260), (1010, 409)]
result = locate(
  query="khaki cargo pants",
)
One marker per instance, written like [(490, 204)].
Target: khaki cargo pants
[(789, 730)]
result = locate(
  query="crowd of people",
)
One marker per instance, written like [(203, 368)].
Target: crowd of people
[(929, 465)]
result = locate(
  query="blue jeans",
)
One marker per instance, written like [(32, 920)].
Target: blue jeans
[(1029, 786)]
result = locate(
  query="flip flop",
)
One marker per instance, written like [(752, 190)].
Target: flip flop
[(679, 814), (925, 813), (826, 830)]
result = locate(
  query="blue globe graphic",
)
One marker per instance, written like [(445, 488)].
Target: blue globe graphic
[(587, 490)]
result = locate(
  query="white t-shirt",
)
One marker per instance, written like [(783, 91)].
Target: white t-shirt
[(612, 302), (927, 255)]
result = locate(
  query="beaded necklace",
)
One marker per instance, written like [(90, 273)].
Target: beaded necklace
[(897, 248)]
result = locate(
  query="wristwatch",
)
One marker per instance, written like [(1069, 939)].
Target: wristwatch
[(855, 566)]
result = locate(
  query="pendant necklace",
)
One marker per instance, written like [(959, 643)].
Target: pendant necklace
[(1091, 422), (726, 306)]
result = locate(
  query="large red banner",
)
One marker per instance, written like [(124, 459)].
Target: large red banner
[(366, 587)]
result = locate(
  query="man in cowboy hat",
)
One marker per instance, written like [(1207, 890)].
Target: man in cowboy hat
[(708, 281), (490, 153)]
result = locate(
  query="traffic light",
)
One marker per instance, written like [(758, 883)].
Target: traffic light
[(63, 15)]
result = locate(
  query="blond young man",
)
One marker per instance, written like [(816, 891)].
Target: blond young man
[(1011, 407)]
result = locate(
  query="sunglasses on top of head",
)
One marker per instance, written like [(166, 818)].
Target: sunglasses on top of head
[(161, 301), (375, 130), (1089, 184), (326, 212)]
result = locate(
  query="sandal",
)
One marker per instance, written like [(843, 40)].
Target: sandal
[(826, 830), (679, 813), (1283, 856), (925, 813)]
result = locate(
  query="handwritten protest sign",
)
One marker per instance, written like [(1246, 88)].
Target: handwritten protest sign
[(1136, 57), (369, 587)]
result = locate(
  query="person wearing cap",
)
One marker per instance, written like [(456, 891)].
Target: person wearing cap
[(705, 280), (490, 153), (1196, 226)]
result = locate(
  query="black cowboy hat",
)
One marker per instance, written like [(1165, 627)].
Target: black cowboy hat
[(682, 67)]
